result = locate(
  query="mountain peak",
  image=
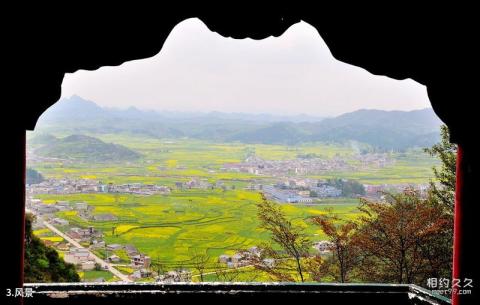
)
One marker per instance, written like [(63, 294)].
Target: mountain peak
[(74, 107)]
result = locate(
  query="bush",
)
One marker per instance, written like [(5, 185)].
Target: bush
[(42, 263)]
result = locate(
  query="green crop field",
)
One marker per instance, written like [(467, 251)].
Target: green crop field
[(165, 161), (170, 228), (92, 275)]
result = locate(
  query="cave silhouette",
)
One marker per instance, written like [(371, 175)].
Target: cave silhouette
[(404, 42)]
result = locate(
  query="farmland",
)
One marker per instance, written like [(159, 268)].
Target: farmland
[(165, 161), (209, 220), (169, 228)]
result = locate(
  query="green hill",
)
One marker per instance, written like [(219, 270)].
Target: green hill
[(42, 263), (85, 148)]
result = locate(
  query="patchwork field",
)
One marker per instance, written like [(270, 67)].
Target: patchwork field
[(165, 161), (170, 228)]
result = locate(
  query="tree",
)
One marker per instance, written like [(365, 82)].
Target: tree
[(447, 153), (226, 275), (349, 188), (33, 177), (443, 194), (158, 266), (289, 238), (398, 239), (200, 262), (345, 256), (42, 263)]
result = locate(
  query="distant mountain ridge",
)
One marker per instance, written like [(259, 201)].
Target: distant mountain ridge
[(381, 129), (76, 106)]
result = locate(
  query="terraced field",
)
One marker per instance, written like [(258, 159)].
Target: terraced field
[(166, 161), (169, 228)]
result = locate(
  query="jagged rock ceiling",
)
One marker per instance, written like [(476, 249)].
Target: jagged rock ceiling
[(402, 43)]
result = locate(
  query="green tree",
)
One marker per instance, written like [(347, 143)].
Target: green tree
[(446, 152), (33, 177), (42, 263), (349, 188), (442, 193), (158, 266)]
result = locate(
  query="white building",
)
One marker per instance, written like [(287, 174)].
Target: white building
[(77, 256), (324, 246), (60, 221), (87, 265)]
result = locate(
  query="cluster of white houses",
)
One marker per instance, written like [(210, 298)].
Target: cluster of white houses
[(300, 190), (172, 276), (253, 256), (306, 166), (307, 190), (259, 166), (374, 159), (137, 260), (196, 183), (73, 186), (376, 190), (81, 257), (84, 235), (84, 260), (287, 196), (245, 258), (83, 209)]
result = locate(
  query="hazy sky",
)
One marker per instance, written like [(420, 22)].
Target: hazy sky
[(198, 70)]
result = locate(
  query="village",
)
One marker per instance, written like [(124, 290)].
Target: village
[(283, 181), (88, 251), (311, 191), (87, 244), (287, 181), (306, 165), (81, 186)]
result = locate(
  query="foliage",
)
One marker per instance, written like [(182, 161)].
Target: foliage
[(345, 254), (168, 227), (349, 188), (226, 275), (42, 263), (33, 177), (86, 148), (213, 221), (397, 239), (447, 153), (290, 238), (200, 262)]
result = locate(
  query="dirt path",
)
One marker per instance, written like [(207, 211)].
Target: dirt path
[(97, 259)]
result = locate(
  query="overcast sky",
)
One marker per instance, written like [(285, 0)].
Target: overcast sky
[(198, 70)]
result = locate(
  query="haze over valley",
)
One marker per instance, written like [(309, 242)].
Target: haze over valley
[(397, 130)]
